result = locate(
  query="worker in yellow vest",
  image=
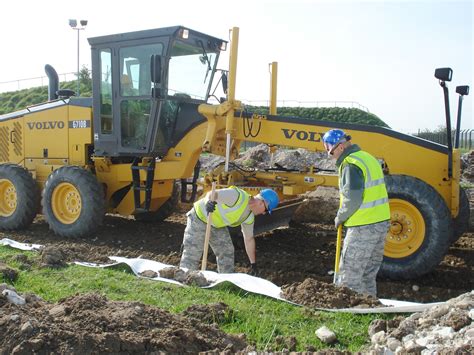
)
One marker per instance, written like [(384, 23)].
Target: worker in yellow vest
[(363, 210), (230, 207)]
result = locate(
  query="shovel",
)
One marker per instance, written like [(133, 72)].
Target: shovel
[(208, 230), (338, 252)]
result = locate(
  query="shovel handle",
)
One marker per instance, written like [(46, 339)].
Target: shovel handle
[(338, 251), (208, 231)]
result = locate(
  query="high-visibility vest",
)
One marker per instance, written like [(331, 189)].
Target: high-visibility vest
[(375, 207), (225, 215)]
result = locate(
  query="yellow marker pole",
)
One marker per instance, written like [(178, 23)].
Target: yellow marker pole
[(208, 230), (273, 87), (338, 252)]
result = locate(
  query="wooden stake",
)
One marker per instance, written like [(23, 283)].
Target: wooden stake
[(208, 230)]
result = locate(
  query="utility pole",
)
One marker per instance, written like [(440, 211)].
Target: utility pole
[(74, 26)]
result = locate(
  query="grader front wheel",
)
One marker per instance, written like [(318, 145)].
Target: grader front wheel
[(420, 228), (73, 202)]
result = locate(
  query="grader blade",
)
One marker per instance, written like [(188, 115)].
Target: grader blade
[(280, 216)]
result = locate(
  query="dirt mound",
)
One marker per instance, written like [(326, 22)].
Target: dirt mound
[(175, 273), (318, 294), (53, 257), (81, 323), (320, 205), (209, 313), (7, 273)]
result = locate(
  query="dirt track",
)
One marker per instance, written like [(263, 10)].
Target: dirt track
[(284, 256)]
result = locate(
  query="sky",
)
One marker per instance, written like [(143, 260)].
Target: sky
[(379, 54)]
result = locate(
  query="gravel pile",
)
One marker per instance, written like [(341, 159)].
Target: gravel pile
[(442, 329), (259, 157)]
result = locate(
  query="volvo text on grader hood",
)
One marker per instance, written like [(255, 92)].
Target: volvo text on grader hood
[(149, 120)]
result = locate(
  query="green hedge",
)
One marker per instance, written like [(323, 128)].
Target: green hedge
[(334, 114)]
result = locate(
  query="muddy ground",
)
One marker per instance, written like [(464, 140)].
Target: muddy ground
[(298, 258), (91, 324), (285, 255)]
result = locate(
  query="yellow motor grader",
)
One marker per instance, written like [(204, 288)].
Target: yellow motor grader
[(149, 119)]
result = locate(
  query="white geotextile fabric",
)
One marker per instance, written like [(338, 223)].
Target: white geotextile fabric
[(245, 282), (21, 246)]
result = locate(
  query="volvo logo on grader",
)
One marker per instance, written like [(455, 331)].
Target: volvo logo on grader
[(46, 125), (302, 135)]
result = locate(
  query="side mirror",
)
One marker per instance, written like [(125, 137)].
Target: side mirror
[(462, 90), (224, 82), (444, 74), (155, 68)]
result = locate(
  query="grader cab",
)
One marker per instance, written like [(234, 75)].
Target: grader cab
[(149, 120)]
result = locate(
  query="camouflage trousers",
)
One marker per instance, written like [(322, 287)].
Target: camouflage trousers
[(362, 256), (193, 245)]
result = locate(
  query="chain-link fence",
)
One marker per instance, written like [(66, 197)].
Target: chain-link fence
[(466, 137), (20, 84)]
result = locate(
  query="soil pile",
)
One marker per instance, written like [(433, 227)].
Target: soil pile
[(193, 277), (85, 323), (318, 294), (467, 179), (209, 313), (442, 329)]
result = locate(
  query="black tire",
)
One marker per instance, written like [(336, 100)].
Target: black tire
[(164, 211), (73, 202), (19, 197), (461, 222), (420, 231)]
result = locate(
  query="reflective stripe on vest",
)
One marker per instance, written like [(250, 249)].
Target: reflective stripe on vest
[(225, 215), (375, 207)]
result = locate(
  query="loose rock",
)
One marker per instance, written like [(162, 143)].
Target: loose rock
[(445, 328), (326, 335)]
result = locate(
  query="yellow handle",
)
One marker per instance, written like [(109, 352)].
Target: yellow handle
[(338, 250)]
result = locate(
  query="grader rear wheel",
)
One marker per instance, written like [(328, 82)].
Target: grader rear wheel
[(73, 202), (19, 197), (461, 222), (66, 203), (407, 229), (420, 229)]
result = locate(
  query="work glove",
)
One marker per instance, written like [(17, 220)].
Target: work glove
[(210, 206), (253, 269), (337, 222)]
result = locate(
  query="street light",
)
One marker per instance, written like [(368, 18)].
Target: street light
[(74, 26)]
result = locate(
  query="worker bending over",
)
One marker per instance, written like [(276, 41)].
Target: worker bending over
[(230, 207), (363, 210)]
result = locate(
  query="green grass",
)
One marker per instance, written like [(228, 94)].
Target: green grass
[(260, 318)]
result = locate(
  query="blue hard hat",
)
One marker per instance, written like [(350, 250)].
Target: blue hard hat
[(334, 137), (270, 197)]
